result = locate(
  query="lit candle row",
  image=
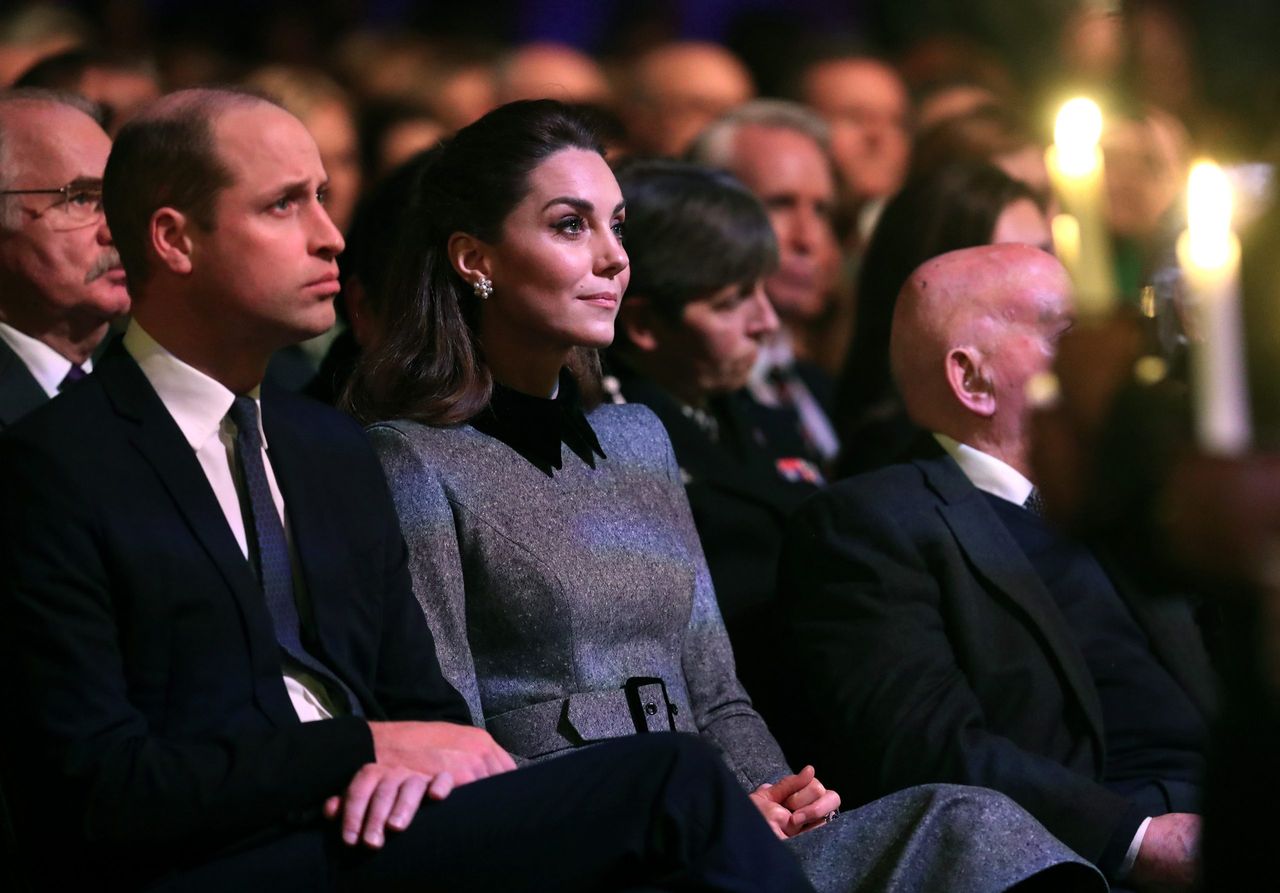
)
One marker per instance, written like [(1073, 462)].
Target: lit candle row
[(1208, 253)]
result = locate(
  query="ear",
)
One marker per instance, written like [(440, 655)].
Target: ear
[(638, 322), (171, 240), (470, 257), (969, 381)]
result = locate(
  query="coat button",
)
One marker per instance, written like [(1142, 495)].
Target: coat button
[(651, 709)]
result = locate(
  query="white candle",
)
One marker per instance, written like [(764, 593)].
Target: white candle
[(1075, 167), (1209, 255)]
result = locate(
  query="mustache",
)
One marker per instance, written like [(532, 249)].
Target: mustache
[(108, 261)]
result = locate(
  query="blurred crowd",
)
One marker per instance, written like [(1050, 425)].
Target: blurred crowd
[(841, 272), (373, 97)]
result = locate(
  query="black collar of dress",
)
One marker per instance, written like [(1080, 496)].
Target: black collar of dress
[(535, 427)]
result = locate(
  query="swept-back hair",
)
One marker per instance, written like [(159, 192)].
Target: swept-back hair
[(428, 365)]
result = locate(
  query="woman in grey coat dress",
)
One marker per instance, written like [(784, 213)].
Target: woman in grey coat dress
[(551, 544)]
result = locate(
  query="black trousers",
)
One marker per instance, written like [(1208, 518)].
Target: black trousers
[(658, 812)]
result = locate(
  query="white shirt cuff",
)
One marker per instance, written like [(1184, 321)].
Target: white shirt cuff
[(1131, 854)]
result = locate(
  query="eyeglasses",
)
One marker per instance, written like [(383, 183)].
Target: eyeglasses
[(80, 202)]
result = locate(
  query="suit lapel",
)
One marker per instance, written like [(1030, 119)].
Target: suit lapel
[(158, 438), (19, 391), (996, 556)]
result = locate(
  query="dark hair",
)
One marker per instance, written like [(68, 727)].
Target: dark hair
[(691, 231), (380, 217), (953, 206), (165, 157), (428, 365)]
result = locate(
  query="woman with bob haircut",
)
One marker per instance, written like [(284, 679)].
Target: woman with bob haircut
[(551, 544)]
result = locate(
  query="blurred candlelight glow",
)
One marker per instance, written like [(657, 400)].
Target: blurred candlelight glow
[(1081, 237), (1209, 205), (1209, 255), (1076, 133)]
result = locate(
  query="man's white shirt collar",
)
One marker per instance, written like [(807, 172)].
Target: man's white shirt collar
[(986, 472), (197, 402), (46, 365)]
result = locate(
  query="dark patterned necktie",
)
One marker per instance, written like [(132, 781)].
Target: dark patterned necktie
[(268, 545), (1035, 502), (74, 374)]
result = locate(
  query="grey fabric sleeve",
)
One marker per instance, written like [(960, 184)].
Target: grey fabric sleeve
[(427, 521), (722, 709)]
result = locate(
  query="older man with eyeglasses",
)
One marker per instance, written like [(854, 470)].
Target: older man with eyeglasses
[(61, 282)]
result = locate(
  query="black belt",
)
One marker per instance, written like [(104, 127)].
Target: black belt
[(640, 706)]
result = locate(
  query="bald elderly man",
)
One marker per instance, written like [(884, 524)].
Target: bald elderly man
[(949, 634)]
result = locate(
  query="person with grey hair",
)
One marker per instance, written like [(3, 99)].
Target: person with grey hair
[(780, 151), (61, 282)]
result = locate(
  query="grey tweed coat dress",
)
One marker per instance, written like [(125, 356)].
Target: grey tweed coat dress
[(558, 601)]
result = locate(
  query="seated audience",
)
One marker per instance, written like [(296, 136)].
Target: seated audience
[(392, 132), (118, 84), (991, 134), (688, 333), (551, 71), (551, 544), (677, 89), (61, 282), (951, 634), (957, 205), (212, 649), (780, 151), (868, 111)]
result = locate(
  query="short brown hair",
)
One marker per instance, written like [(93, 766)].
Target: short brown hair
[(166, 158)]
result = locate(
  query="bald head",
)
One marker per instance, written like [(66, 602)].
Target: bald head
[(970, 329)]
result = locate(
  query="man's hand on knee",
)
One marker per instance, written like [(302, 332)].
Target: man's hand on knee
[(468, 754), (381, 798)]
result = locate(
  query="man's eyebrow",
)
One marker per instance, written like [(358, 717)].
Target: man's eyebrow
[(294, 187), (86, 183), (579, 204)]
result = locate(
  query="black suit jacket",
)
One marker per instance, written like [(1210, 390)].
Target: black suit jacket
[(19, 391), (137, 647), (938, 655), (780, 425)]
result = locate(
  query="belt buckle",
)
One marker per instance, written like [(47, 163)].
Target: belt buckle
[(643, 711)]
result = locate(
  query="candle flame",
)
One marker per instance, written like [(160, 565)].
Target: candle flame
[(1076, 133), (1209, 205)]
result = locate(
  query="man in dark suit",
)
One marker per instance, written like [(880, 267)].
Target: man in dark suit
[(211, 646), (780, 151), (61, 282), (951, 634)]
